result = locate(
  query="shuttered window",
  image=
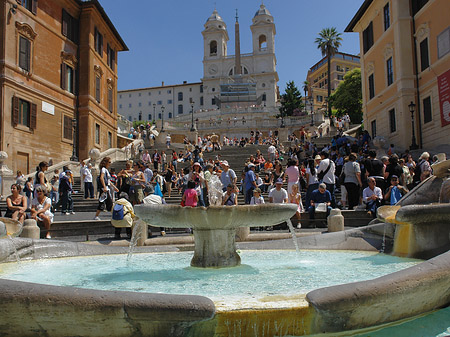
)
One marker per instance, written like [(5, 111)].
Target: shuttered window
[(98, 42), (69, 26), (67, 78), (24, 53), (368, 37), (424, 56), (31, 5), (97, 89), (392, 122), (97, 133), (24, 113), (110, 100), (67, 128), (427, 112), (111, 54)]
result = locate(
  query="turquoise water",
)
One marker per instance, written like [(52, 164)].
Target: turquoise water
[(262, 273)]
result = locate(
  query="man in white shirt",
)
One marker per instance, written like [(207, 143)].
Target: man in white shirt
[(87, 179), (271, 151), (326, 171), (372, 197), (278, 195), (228, 176)]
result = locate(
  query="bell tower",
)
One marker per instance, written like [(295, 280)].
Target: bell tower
[(263, 32), (215, 37)]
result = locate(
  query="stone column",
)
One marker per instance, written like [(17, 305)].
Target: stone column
[(6, 175), (94, 154)]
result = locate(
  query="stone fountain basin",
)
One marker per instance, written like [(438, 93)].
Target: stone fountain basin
[(215, 217), (13, 227)]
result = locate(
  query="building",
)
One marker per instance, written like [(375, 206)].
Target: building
[(405, 58), (317, 78), (58, 80), (154, 103), (256, 79)]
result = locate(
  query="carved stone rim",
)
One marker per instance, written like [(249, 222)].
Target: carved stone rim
[(26, 30), (98, 70), (69, 58)]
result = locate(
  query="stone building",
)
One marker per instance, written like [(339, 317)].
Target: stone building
[(58, 80), (405, 58)]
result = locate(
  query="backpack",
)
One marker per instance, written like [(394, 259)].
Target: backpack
[(118, 212)]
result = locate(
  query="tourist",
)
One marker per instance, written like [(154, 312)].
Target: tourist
[(105, 186), (190, 196), (271, 153), (170, 172), (229, 198), (320, 196), (65, 191), (395, 191), (325, 174), (249, 183), (267, 183), (227, 177), (168, 140), (311, 178), (277, 171), (296, 198), (257, 198), (16, 204), (156, 158), (393, 168), (20, 178), (28, 190), (278, 195), (352, 181), (376, 169), (424, 167), (292, 174), (122, 216), (146, 157), (39, 178), (372, 197), (87, 179), (124, 177), (209, 171), (40, 209), (196, 175), (136, 194)]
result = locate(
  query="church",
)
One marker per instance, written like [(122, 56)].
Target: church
[(229, 82)]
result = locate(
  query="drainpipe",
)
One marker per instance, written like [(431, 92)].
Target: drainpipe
[(77, 91), (416, 69)]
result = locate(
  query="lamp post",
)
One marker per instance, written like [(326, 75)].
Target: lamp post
[(414, 145), (74, 139), (154, 111), (193, 128), (162, 118)]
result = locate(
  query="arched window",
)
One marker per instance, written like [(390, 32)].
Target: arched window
[(170, 115), (180, 96), (262, 42), (244, 71), (149, 117), (213, 48), (180, 109), (264, 97)]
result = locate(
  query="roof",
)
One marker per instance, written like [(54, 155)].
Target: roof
[(157, 87), (96, 3), (358, 16), (262, 11), (214, 16)]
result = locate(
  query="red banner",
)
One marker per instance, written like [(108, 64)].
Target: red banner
[(444, 97)]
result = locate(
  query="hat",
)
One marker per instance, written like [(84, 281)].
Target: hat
[(225, 163), (394, 176), (279, 181), (251, 165), (317, 157), (196, 164)]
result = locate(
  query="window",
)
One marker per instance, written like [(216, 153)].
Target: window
[(67, 129), (201, 100), (213, 101), (109, 140), (319, 98), (373, 126), (170, 115), (424, 57), (139, 94), (67, 78), (129, 105), (180, 96), (159, 102), (97, 89), (169, 101), (386, 16), (368, 37), (98, 42), (417, 5), (340, 77), (262, 43), (129, 95), (371, 87), (24, 53), (389, 71), (111, 55), (213, 48), (443, 43), (129, 118), (149, 103), (159, 116), (69, 26), (264, 97), (110, 99), (24, 113), (392, 123), (139, 104), (97, 133), (140, 116), (149, 93), (120, 106), (149, 117), (31, 5), (201, 88), (427, 112), (338, 68), (169, 91), (180, 109)]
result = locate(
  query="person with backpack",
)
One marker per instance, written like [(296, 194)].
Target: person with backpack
[(122, 216), (104, 186), (423, 168)]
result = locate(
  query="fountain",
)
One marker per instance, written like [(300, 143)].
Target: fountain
[(37, 309)]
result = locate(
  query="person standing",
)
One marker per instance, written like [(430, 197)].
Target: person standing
[(65, 191), (105, 186), (168, 140), (325, 173), (292, 173), (352, 181), (250, 183), (227, 177), (87, 179)]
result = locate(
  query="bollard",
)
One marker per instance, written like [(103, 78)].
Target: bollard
[(242, 233), (30, 229), (335, 221)]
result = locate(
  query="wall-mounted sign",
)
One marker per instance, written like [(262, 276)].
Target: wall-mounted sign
[(444, 97), (48, 108)]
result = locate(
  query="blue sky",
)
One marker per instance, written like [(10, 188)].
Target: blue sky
[(165, 41)]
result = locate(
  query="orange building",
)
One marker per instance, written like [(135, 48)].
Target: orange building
[(405, 58), (58, 80)]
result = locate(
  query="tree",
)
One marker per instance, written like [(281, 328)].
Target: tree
[(348, 96), (290, 100), (328, 42), (305, 89)]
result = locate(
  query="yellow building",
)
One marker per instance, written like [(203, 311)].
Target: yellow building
[(58, 75), (405, 58), (317, 78)]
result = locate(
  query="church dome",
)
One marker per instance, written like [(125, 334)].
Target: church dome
[(262, 11), (215, 16)]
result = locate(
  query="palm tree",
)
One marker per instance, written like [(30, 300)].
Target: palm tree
[(305, 89), (328, 42)]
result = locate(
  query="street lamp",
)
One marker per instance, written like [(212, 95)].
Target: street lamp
[(414, 145), (154, 111), (162, 118), (74, 139), (193, 128)]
